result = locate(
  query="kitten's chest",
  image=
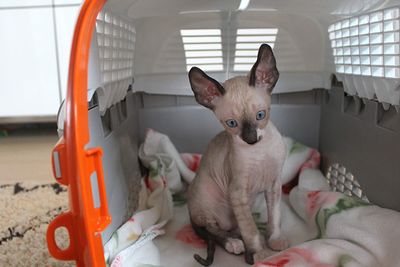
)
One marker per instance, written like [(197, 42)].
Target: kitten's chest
[(258, 166), (259, 163)]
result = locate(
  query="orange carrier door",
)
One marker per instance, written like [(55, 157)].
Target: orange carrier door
[(73, 164)]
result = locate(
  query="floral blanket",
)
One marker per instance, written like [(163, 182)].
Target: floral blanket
[(324, 228)]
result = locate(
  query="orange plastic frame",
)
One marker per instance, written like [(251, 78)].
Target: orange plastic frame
[(84, 222)]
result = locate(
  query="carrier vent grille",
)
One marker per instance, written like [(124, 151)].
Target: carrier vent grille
[(203, 48), (116, 42), (341, 180), (247, 44), (368, 45)]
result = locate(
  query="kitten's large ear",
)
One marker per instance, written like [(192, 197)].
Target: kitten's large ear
[(264, 73), (206, 89)]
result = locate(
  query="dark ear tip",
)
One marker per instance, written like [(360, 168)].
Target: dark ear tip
[(192, 69), (265, 46), (195, 69)]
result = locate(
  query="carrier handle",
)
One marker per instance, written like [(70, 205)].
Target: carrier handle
[(62, 220), (104, 219)]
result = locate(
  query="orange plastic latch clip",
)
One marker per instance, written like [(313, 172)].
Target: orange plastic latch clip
[(59, 160), (104, 218)]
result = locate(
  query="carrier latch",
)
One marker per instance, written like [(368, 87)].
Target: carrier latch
[(59, 161)]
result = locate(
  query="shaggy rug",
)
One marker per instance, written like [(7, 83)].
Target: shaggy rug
[(26, 210)]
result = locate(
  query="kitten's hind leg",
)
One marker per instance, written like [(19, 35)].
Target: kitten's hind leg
[(230, 241)]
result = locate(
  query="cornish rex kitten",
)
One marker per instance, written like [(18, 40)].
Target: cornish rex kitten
[(239, 163)]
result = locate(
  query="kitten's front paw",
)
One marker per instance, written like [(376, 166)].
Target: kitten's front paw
[(262, 254), (278, 244), (234, 246), (258, 245)]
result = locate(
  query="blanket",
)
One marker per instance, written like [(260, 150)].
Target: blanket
[(324, 228)]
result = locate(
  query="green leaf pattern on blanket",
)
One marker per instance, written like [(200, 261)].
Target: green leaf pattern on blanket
[(179, 200), (260, 225), (324, 214), (296, 147), (154, 169), (344, 259)]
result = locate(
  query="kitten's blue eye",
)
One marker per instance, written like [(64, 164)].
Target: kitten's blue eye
[(231, 123), (260, 115)]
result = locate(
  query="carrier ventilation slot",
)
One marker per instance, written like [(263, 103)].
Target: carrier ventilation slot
[(203, 48), (115, 45), (247, 44), (368, 47), (114, 117), (116, 42), (341, 180)]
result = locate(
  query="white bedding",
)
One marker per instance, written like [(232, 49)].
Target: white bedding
[(324, 228)]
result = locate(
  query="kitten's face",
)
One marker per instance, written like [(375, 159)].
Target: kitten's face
[(243, 110), (242, 103)]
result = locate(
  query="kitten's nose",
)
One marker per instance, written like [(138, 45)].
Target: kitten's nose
[(249, 133), (251, 141)]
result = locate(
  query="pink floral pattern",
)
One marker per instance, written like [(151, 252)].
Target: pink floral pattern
[(312, 201), (316, 199), (293, 257), (187, 235), (192, 161), (153, 183), (313, 161)]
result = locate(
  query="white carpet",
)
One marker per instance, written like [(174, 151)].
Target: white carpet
[(26, 210)]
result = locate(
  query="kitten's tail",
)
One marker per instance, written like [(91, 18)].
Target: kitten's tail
[(210, 240)]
